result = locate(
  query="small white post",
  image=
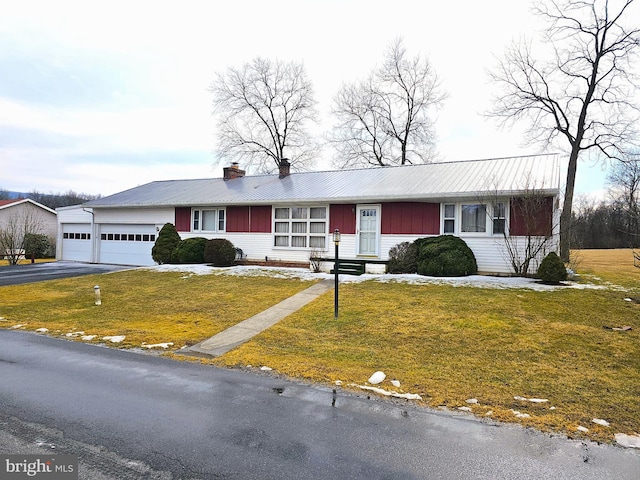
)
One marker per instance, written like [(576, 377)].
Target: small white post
[(96, 289)]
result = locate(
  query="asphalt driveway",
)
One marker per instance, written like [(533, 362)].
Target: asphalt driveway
[(38, 272)]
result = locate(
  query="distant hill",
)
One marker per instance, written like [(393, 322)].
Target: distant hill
[(51, 200)]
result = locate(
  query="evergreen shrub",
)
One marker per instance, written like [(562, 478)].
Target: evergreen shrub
[(35, 245), (219, 252), (189, 250), (552, 269), (166, 242), (402, 258), (445, 256)]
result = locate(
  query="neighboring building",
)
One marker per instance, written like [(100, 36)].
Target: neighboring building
[(38, 218), (289, 216)]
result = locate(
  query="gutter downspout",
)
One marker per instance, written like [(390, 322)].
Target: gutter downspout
[(94, 244)]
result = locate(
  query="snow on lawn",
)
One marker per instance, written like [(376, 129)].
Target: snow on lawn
[(479, 281)]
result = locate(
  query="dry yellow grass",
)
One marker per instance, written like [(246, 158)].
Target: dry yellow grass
[(451, 344), (446, 343), (143, 305)]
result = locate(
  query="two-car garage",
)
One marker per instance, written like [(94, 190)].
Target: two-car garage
[(84, 239)]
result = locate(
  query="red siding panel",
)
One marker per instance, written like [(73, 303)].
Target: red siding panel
[(342, 217), (260, 219), (531, 216), (183, 219), (237, 219), (410, 218)]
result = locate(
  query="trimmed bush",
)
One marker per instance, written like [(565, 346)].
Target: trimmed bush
[(168, 239), (189, 250), (552, 269), (402, 258), (219, 252), (35, 245), (445, 256)]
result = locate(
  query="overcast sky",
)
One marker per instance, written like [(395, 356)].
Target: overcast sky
[(99, 97)]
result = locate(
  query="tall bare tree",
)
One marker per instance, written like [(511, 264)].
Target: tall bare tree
[(263, 110), (624, 187), (581, 96), (387, 119)]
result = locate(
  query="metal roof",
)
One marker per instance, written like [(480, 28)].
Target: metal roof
[(425, 182)]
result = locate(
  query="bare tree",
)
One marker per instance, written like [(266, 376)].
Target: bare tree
[(526, 223), (582, 95), (263, 111), (624, 187), (13, 231), (387, 119)]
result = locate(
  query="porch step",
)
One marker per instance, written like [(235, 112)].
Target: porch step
[(349, 268)]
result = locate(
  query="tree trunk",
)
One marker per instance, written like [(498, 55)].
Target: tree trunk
[(565, 217)]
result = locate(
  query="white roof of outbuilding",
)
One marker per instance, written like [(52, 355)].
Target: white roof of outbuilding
[(425, 182)]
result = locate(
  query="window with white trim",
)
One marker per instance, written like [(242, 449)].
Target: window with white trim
[(449, 216), (499, 218), (207, 220), (300, 227), (474, 218)]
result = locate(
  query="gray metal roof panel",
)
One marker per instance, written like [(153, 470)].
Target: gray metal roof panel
[(434, 181)]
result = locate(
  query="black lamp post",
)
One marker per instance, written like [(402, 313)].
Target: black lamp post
[(336, 267)]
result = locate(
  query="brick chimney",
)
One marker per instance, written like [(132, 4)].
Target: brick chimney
[(285, 168), (229, 173)]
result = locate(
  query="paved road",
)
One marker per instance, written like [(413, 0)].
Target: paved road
[(129, 415), (37, 272)]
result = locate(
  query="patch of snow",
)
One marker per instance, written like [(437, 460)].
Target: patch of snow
[(88, 338), (465, 409), (471, 400), (552, 408), (73, 334), (338, 382), (266, 369), (376, 378), (580, 428), (388, 393), (532, 400), (114, 338), (629, 441), (520, 414), (304, 274), (158, 345), (42, 330), (16, 327), (395, 383), (600, 421)]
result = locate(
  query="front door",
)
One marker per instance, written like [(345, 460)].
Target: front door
[(368, 229)]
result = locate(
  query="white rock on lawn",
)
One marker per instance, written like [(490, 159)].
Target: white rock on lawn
[(88, 338), (395, 383), (377, 377), (266, 369), (580, 428), (471, 400), (630, 441), (16, 327), (464, 409), (42, 330), (600, 421)]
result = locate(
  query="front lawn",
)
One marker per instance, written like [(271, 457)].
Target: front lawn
[(488, 350)]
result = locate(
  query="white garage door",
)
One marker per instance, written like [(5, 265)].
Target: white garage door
[(76, 242), (127, 244)]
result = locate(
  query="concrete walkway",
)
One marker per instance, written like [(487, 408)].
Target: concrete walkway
[(238, 334)]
